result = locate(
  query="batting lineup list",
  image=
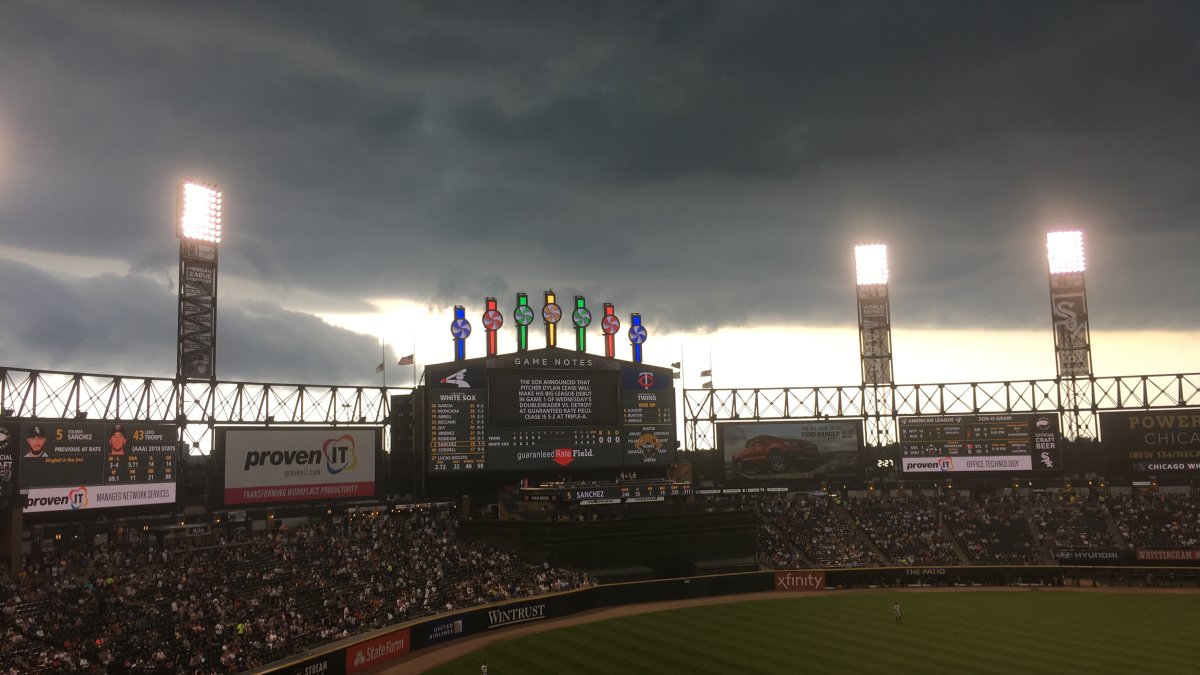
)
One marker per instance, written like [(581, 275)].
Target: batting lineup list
[(456, 430)]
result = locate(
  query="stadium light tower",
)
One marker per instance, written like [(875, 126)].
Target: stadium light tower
[(874, 331), (874, 313), (198, 226), (1068, 312)]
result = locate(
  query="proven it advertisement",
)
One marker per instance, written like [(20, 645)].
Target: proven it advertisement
[(288, 465)]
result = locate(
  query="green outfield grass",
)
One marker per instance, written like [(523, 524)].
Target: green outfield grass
[(958, 633)]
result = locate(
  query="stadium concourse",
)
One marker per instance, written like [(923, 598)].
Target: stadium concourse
[(247, 601)]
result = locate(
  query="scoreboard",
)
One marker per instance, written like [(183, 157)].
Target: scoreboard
[(1013, 443), (1152, 442), (548, 409), (73, 465)]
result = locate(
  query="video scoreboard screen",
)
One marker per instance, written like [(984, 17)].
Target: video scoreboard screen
[(72, 465), (1152, 442), (757, 451), (548, 409), (1011, 443)]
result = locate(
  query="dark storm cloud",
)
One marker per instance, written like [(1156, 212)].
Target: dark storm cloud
[(705, 164), (126, 324)]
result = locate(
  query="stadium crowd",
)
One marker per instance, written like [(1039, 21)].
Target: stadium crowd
[(993, 530), (907, 531), (1072, 522), (802, 530), (1158, 521), (245, 603), (251, 600), (809, 533)]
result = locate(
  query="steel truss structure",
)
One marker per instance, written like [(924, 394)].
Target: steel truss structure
[(1077, 400), (196, 407)]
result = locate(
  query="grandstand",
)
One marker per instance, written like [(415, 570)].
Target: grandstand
[(252, 598)]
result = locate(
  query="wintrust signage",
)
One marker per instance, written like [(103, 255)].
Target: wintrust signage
[(378, 650), (285, 465), (507, 616), (799, 581)]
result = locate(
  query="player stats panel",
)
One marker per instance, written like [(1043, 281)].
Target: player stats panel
[(1009, 443), (99, 453), (98, 463), (547, 409), (457, 428)]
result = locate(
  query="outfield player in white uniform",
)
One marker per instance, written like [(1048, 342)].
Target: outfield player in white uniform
[(896, 610)]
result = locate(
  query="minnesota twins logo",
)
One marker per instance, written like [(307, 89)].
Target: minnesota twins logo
[(645, 380)]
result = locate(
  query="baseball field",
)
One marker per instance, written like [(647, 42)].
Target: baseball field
[(1039, 631)]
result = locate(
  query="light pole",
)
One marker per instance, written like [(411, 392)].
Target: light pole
[(874, 329), (199, 231), (1068, 312)]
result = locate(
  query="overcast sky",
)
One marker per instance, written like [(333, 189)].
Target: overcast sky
[(707, 164)]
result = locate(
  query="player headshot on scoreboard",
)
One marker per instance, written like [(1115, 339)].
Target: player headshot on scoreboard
[(35, 442), (117, 440)]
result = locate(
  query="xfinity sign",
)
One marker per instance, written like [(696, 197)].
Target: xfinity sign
[(799, 581)]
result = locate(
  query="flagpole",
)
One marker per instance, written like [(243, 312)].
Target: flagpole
[(414, 362), (383, 353), (711, 364)]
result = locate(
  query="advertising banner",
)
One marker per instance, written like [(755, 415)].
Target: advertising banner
[(89, 497), (286, 465), (791, 450), (1176, 555), (510, 615), (1166, 441), (1093, 557), (800, 581), (377, 650), (442, 630), (331, 663), (976, 463)]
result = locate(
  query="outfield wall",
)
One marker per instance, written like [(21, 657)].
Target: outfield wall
[(387, 644)]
